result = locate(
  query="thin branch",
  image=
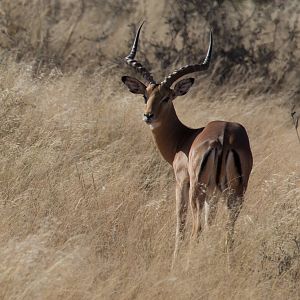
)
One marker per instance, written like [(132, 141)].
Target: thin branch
[(295, 118)]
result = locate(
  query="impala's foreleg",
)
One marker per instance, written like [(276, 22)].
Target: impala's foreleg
[(182, 188), (181, 212)]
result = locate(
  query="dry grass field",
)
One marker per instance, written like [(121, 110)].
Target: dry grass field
[(88, 208), (87, 205)]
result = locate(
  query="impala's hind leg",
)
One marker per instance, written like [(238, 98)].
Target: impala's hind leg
[(197, 198), (210, 208), (200, 185), (234, 194), (234, 205)]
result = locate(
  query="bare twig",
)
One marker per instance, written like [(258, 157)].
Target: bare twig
[(295, 118)]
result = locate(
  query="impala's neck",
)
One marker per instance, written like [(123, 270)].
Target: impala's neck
[(170, 135)]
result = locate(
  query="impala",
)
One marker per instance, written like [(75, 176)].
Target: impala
[(206, 161)]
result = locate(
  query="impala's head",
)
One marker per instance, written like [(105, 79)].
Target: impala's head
[(158, 97)]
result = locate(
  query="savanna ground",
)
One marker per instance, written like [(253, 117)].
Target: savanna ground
[(87, 204)]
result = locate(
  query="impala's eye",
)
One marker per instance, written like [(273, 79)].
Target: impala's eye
[(145, 98), (166, 99)]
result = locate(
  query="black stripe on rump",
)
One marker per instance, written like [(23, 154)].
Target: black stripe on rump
[(238, 164), (204, 160), (219, 165)]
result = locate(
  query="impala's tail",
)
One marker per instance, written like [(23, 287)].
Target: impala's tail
[(233, 169)]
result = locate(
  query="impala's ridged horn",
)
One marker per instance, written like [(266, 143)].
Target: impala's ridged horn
[(171, 78), (135, 64)]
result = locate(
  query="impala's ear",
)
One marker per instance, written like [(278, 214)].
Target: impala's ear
[(134, 85), (183, 86)]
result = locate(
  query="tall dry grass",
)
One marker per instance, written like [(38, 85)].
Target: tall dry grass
[(87, 204)]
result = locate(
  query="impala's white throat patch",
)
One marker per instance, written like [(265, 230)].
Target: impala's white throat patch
[(154, 125)]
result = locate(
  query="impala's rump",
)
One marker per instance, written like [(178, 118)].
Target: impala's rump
[(221, 164)]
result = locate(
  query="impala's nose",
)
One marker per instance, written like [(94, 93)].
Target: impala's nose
[(148, 117)]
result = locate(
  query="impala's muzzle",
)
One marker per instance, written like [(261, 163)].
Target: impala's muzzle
[(148, 118)]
